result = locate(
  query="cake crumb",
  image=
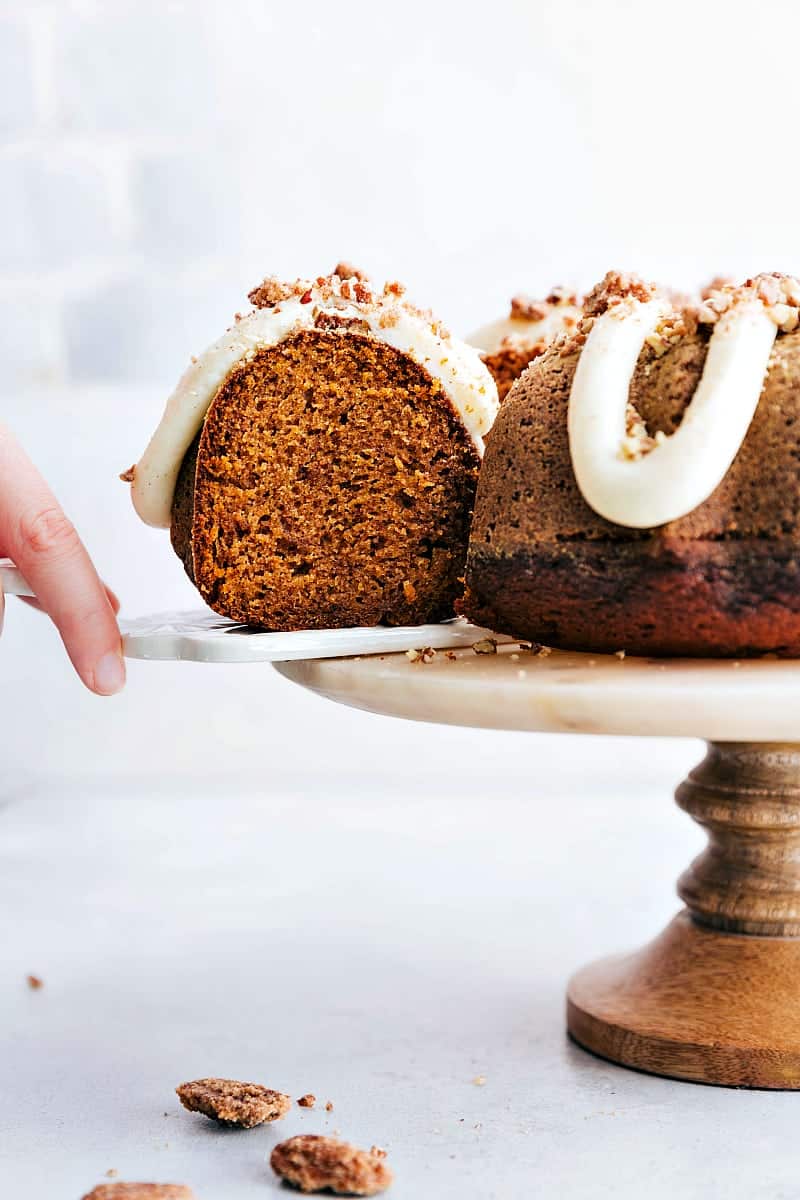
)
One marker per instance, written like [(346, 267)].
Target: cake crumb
[(424, 655), (140, 1191), (620, 654), (485, 646), (328, 1106), (479, 1080), (129, 475), (112, 1173), (307, 1101), (232, 1103), (35, 983), (313, 1163)]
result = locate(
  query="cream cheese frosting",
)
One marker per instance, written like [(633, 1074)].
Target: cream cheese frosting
[(529, 323), (660, 484), (307, 305)]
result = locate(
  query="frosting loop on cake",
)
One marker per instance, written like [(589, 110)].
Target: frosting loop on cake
[(327, 303), (645, 490)]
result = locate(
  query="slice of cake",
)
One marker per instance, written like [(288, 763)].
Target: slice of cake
[(507, 346), (317, 465)]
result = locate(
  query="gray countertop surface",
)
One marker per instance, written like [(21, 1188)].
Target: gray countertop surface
[(379, 938)]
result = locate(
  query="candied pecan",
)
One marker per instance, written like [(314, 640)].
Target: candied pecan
[(234, 1103), (314, 1163), (140, 1191)]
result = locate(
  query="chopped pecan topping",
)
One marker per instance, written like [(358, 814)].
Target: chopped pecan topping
[(346, 270), (270, 292), (614, 287)]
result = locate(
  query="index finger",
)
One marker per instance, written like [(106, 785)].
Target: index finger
[(47, 549)]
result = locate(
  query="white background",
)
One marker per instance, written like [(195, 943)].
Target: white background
[(214, 872)]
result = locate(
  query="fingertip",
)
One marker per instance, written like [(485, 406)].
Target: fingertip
[(108, 676)]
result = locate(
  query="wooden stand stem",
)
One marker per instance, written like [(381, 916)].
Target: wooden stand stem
[(716, 998)]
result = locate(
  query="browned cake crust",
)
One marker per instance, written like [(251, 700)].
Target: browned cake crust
[(233, 1103), (313, 1163), (724, 580), (332, 485)]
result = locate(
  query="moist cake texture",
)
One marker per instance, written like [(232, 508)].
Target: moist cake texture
[(332, 485), (724, 579)]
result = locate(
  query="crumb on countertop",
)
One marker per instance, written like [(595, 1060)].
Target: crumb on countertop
[(425, 654)]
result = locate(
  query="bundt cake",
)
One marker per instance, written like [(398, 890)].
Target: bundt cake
[(641, 485), (509, 344), (317, 465)]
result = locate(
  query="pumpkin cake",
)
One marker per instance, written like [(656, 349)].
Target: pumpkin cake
[(317, 465), (641, 487)]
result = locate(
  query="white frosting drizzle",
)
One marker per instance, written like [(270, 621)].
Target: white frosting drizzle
[(457, 366), (681, 471), (522, 332)]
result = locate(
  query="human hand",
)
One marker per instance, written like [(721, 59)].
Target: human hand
[(44, 544)]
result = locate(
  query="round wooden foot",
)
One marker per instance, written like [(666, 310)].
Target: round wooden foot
[(696, 1004), (716, 998)]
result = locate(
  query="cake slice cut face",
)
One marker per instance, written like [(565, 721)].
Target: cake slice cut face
[(326, 475)]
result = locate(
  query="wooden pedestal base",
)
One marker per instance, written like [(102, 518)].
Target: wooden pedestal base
[(696, 1004), (716, 998)]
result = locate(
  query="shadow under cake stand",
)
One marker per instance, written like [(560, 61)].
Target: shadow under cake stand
[(716, 997)]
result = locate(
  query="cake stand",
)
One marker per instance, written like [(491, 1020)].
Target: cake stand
[(715, 997)]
